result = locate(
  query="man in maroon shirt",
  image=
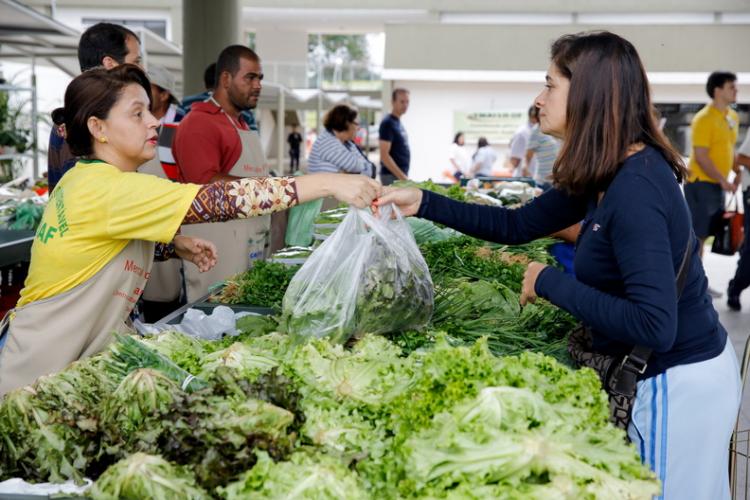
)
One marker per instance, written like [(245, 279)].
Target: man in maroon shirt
[(207, 145), (212, 144)]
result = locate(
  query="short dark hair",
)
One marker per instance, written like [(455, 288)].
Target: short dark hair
[(534, 112), (482, 142), (229, 60), (209, 76), (102, 40), (339, 118), (94, 93), (604, 115), (396, 92), (717, 79)]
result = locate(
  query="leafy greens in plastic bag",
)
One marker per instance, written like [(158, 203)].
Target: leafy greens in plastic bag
[(367, 277)]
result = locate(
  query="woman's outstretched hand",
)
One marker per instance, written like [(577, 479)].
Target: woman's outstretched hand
[(406, 199), (356, 190)]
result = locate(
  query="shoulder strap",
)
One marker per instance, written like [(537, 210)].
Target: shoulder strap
[(637, 361), (684, 265)]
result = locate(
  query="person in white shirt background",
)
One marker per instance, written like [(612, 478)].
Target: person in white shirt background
[(519, 144), (483, 160), (459, 157)]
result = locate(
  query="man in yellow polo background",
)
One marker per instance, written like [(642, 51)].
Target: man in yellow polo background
[(714, 131)]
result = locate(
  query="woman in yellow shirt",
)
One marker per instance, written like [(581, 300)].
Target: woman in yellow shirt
[(105, 222)]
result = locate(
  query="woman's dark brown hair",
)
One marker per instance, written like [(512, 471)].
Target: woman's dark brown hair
[(609, 109), (339, 118), (94, 93)]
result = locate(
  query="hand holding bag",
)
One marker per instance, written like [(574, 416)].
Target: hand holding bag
[(727, 229)]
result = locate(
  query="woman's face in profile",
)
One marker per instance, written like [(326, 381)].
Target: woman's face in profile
[(553, 103)]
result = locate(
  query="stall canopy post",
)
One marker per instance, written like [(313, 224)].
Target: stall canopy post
[(280, 128), (34, 119), (318, 119)]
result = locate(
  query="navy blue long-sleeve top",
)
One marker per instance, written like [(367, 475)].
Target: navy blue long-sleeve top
[(627, 256)]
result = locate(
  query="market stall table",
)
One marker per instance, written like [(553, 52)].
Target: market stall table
[(15, 246), (15, 249)]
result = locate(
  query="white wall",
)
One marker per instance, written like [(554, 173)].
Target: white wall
[(284, 55), (429, 121), (73, 17)]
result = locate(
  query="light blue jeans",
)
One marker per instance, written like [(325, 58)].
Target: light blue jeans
[(682, 423)]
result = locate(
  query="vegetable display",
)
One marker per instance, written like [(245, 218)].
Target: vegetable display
[(283, 420), (474, 405)]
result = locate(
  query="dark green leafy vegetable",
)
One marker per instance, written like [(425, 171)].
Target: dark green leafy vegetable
[(469, 310), (454, 191), (218, 437), (262, 285)]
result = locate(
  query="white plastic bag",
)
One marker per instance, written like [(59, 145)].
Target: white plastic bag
[(367, 277), (196, 323)]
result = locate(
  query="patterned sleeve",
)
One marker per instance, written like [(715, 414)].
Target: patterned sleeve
[(243, 198), (164, 251)]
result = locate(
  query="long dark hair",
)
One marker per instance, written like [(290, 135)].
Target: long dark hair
[(609, 109), (481, 143), (94, 93)]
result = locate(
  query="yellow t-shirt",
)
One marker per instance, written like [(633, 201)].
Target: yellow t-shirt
[(92, 215), (716, 131)]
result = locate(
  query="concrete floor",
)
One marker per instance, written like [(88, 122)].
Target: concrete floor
[(720, 269)]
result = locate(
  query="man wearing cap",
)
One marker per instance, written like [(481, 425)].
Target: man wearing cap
[(163, 292), (164, 104)]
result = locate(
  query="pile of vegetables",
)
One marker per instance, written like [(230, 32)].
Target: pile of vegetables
[(319, 420), (262, 285)]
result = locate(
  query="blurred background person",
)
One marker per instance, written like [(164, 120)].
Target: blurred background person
[(459, 158), (395, 155), (483, 159), (334, 149), (295, 141), (543, 148), (519, 143)]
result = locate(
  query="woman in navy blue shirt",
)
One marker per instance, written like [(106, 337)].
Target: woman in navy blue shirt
[(618, 173)]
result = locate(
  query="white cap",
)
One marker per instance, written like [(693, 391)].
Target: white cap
[(162, 77)]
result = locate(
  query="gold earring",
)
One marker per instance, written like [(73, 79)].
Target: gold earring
[(103, 140)]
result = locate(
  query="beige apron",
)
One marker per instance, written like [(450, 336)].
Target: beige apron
[(165, 284), (47, 335), (239, 242)]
